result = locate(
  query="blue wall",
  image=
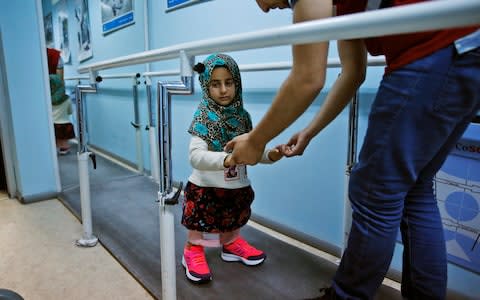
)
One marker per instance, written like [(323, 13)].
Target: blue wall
[(303, 193), (36, 166)]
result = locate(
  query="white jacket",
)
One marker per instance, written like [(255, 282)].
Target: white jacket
[(208, 169)]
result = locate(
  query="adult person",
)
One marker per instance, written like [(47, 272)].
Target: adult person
[(428, 95)]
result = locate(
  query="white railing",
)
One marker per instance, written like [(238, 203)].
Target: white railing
[(408, 18), (106, 76), (272, 66)]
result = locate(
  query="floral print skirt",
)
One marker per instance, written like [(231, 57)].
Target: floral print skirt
[(211, 209), (64, 131)]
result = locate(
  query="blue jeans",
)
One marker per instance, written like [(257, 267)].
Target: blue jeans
[(419, 113)]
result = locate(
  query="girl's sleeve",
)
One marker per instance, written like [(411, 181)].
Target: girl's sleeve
[(203, 159), (265, 159)]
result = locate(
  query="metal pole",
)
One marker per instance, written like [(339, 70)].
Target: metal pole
[(351, 160), (166, 196), (152, 133), (136, 124), (88, 239)]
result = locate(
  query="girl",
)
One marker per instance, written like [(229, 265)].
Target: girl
[(218, 194)]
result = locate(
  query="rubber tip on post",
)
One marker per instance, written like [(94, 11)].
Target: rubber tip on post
[(98, 78)]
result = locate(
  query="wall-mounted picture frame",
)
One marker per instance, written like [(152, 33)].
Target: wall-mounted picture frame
[(177, 4), (48, 27), (63, 32), (83, 30), (64, 41), (116, 14)]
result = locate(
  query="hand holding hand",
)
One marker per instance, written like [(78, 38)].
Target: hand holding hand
[(275, 154), (296, 145), (228, 162), (244, 150)]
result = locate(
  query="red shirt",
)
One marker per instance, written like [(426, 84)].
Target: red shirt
[(401, 49), (53, 56)]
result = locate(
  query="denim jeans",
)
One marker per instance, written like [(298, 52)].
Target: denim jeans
[(419, 113)]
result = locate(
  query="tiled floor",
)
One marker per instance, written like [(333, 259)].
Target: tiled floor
[(39, 259)]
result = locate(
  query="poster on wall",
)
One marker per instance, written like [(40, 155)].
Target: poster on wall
[(116, 14), (48, 24), (63, 32), (83, 30), (176, 4)]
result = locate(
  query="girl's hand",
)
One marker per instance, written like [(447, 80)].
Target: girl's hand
[(274, 155), (228, 162)]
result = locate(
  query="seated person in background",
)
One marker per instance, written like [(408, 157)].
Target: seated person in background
[(218, 194), (61, 105)]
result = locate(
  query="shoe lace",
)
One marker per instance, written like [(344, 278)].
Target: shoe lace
[(197, 257), (243, 247)]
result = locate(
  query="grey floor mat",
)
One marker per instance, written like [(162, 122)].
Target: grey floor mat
[(126, 221), (105, 170)]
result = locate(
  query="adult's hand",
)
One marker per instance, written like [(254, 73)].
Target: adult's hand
[(245, 150), (266, 5), (296, 145)]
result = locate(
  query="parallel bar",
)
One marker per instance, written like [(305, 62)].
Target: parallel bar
[(272, 66), (88, 239), (118, 76), (77, 78), (136, 124), (107, 76), (167, 198), (351, 160), (82, 125), (408, 18)]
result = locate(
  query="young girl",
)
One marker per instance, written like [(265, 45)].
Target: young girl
[(218, 194)]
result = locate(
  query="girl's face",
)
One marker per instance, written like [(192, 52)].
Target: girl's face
[(221, 87)]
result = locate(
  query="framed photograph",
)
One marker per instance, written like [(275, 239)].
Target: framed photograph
[(48, 24), (64, 42), (116, 14), (177, 4), (83, 30), (63, 32)]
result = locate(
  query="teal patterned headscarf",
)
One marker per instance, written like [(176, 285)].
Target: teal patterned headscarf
[(217, 124)]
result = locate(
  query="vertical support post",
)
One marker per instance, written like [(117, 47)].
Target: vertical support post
[(166, 196), (136, 124), (351, 160), (88, 239), (152, 133)]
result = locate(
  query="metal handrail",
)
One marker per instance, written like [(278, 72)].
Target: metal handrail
[(106, 76), (272, 66), (418, 17)]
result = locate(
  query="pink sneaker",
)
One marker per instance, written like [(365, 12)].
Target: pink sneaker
[(240, 250), (195, 263)]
